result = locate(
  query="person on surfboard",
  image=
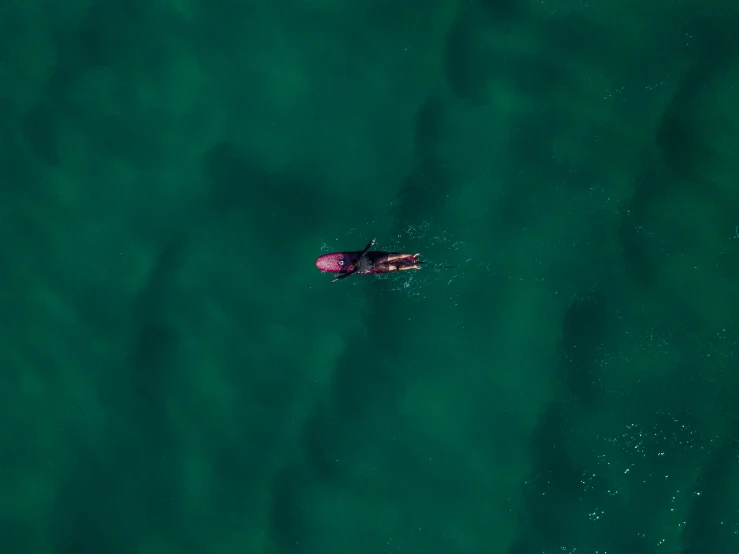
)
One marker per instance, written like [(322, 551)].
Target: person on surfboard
[(366, 262)]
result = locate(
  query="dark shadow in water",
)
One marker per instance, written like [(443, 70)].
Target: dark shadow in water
[(108, 42), (637, 255), (580, 363), (425, 190), (467, 66), (325, 441), (645, 239), (288, 531), (366, 381), (640, 248), (537, 75), (557, 501), (711, 525), (17, 532), (264, 198), (565, 491), (430, 123), (86, 526), (503, 11), (110, 36), (680, 133), (98, 500), (366, 374), (528, 157), (574, 38), (665, 441), (551, 501), (19, 172), (108, 33), (680, 141), (102, 504), (39, 125)]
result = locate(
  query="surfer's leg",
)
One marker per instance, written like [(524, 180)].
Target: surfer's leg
[(389, 267), (395, 256)]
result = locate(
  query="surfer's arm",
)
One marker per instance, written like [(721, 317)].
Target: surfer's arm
[(344, 275), (366, 248)]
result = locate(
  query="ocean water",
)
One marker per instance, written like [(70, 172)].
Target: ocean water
[(178, 378)]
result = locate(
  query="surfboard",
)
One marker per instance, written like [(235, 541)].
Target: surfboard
[(338, 262)]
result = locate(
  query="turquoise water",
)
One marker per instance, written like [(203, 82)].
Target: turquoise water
[(177, 377)]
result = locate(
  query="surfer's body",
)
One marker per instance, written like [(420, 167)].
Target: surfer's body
[(366, 262)]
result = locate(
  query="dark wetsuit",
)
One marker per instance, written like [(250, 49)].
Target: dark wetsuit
[(369, 262)]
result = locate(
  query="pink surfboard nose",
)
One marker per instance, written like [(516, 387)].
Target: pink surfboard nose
[(330, 262)]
